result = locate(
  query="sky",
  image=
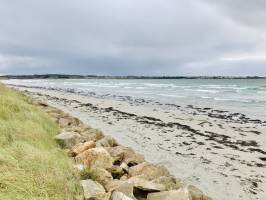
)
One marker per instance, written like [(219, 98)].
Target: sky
[(133, 37)]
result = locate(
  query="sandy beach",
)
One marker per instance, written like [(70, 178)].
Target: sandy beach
[(222, 153)]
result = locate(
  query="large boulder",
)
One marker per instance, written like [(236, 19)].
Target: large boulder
[(169, 182), (120, 196), (91, 135), (101, 175), (113, 184), (95, 158), (93, 190), (81, 147), (125, 154), (67, 139), (106, 141), (150, 171), (127, 189), (181, 194), (54, 114), (124, 177), (197, 194), (141, 183), (68, 121), (121, 186)]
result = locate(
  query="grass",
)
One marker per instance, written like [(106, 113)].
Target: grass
[(32, 166), (88, 174)]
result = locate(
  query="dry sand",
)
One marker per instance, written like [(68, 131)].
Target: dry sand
[(222, 153)]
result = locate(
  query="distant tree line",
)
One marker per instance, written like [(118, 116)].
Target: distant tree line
[(66, 76)]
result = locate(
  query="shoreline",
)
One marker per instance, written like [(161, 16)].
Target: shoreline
[(210, 111), (109, 170), (202, 149)]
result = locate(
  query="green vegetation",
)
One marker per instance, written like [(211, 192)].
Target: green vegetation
[(32, 166), (88, 174)]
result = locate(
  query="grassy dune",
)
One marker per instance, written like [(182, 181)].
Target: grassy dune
[(32, 166)]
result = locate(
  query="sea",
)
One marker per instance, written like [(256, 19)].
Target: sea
[(245, 96)]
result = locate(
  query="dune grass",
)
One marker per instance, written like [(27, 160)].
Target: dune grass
[(32, 166)]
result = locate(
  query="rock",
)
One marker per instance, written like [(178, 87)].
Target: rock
[(81, 147), (116, 171), (126, 186), (197, 194), (106, 141), (68, 121), (150, 171), (78, 129), (124, 166), (113, 184), (119, 196), (93, 190), (124, 177), (181, 194), (101, 175), (54, 116), (42, 104), (96, 157), (92, 135), (127, 189), (67, 139), (169, 182), (141, 183), (121, 186), (54, 113), (106, 196), (125, 154)]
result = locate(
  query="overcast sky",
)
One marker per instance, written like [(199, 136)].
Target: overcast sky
[(133, 37)]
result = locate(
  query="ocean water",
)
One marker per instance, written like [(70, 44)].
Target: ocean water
[(246, 96)]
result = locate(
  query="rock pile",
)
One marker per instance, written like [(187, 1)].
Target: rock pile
[(110, 171)]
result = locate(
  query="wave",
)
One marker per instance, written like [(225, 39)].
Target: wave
[(236, 100), (140, 88), (158, 85), (261, 92), (205, 97), (171, 95), (201, 90)]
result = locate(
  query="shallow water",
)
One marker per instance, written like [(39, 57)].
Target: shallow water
[(247, 96)]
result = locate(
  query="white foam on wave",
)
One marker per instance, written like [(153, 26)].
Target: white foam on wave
[(205, 97), (171, 95), (140, 88), (261, 92), (222, 99), (158, 85), (201, 90), (234, 100)]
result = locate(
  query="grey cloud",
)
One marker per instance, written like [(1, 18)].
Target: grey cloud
[(249, 13), (122, 37)]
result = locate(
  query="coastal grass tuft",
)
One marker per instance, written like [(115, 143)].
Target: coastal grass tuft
[(32, 166), (88, 174)]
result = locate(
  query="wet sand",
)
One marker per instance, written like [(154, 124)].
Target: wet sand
[(222, 153)]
